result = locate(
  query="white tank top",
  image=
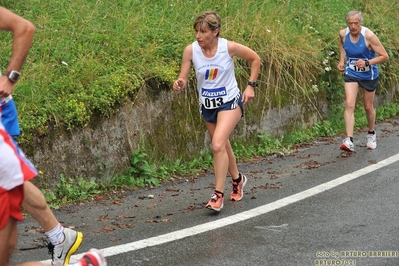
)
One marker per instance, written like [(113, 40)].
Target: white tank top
[(216, 82)]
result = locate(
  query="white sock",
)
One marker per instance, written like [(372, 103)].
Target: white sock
[(56, 235)]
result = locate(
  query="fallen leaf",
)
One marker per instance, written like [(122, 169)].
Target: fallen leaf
[(103, 218), (172, 189), (107, 229)]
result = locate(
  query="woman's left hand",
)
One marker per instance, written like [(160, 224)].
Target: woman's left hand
[(248, 94)]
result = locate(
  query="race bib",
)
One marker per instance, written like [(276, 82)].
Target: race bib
[(352, 65), (213, 98)]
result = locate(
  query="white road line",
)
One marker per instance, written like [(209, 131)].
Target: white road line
[(179, 234)]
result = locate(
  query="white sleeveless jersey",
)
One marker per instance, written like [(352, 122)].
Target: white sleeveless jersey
[(216, 82), (15, 169)]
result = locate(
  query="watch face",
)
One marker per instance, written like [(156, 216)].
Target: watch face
[(253, 84), (13, 75)]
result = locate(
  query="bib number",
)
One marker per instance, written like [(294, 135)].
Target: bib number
[(359, 69), (213, 103), (213, 98), (352, 65)]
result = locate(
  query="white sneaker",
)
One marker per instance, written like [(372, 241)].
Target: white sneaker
[(60, 254), (347, 145), (371, 141)]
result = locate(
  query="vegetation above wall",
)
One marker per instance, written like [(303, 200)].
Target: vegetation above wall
[(88, 56)]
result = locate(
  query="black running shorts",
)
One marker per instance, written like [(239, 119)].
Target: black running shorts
[(368, 85)]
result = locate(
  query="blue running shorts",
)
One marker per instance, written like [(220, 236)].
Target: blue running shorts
[(210, 115)]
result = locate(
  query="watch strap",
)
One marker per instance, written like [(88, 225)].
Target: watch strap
[(252, 83)]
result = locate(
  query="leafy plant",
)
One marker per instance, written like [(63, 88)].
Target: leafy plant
[(141, 171), (78, 189), (268, 144)]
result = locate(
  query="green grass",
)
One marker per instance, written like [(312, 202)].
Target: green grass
[(110, 49), (89, 57)]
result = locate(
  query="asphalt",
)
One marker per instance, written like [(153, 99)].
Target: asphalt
[(144, 213)]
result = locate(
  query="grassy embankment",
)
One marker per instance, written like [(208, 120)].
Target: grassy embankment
[(89, 56)]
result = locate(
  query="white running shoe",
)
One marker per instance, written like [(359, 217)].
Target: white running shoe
[(371, 141), (60, 254), (347, 145)]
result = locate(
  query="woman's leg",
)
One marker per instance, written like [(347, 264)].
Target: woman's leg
[(224, 158)]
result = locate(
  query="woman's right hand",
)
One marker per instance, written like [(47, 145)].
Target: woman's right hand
[(178, 84)]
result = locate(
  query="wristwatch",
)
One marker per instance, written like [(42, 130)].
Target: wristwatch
[(13, 75), (252, 84), (367, 63)]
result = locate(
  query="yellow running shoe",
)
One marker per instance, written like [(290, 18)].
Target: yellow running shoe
[(60, 254)]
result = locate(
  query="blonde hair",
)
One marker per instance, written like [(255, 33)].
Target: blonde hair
[(209, 19)]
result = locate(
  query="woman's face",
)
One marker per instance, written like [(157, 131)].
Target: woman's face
[(205, 35)]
